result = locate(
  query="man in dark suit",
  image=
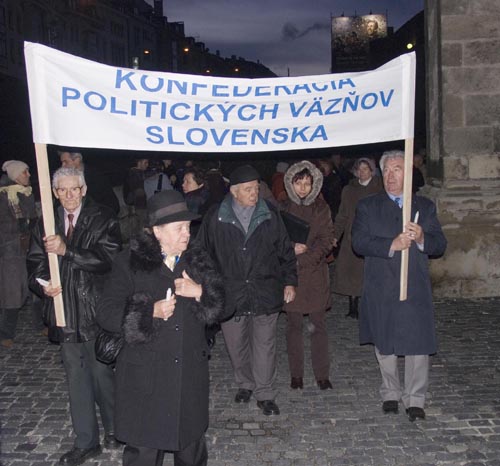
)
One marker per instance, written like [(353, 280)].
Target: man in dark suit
[(394, 327)]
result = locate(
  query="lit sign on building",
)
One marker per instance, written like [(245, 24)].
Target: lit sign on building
[(351, 37)]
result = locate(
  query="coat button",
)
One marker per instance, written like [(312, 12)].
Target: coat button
[(247, 281), (244, 249), (176, 328), (176, 360), (204, 353)]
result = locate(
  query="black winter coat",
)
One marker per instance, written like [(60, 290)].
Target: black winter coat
[(162, 383), (394, 326), (256, 265), (89, 255)]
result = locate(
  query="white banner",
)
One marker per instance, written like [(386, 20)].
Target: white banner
[(77, 102)]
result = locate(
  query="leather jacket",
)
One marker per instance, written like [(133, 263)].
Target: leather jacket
[(83, 269)]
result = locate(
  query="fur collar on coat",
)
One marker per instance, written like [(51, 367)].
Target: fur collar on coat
[(317, 182), (145, 256)]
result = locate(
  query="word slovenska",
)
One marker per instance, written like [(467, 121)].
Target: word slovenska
[(218, 115), (236, 137)]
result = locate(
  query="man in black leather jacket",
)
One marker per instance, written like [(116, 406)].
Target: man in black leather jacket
[(86, 241)]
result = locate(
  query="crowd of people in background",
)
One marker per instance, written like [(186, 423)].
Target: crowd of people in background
[(193, 248)]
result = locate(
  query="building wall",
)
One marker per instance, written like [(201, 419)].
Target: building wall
[(463, 65), (114, 32)]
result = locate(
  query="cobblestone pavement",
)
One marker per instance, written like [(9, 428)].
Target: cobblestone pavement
[(343, 426)]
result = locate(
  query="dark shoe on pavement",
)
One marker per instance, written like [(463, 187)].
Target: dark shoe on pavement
[(110, 441), (268, 407), (296, 382), (352, 314), (324, 384), (390, 406), (78, 456), (243, 395), (415, 413)]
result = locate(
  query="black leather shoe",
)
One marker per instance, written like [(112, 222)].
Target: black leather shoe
[(110, 441), (268, 407), (324, 384), (390, 406), (296, 382), (415, 413), (243, 395), (79, 455), (353, 314)]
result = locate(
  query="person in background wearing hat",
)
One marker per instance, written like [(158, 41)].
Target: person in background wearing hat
[(86, 240), (348, 270), (248, 240), (17, 214), (161, 294)]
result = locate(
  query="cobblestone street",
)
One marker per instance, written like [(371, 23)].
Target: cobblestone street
[(343, 426)]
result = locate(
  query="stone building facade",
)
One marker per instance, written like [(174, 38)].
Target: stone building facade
[(463, 134)]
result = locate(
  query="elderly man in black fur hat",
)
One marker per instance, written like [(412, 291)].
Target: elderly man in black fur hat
[(160, 296), (249, 242)]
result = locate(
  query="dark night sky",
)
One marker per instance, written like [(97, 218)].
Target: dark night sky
[(281, 34)]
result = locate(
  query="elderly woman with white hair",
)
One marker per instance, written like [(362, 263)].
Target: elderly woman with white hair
[(17, 211), (348, 272)]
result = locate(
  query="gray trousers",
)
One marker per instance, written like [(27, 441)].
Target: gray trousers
[(416, 379), (89, 382), (251, 344)]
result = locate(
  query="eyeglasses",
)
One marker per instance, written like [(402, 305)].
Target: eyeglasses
[(74, 190)]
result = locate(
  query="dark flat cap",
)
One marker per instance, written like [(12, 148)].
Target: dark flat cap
[(243, 174)]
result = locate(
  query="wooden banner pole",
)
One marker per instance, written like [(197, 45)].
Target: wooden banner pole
[(407, 197), (42, 162)]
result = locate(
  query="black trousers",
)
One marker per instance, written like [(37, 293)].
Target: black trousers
[(90, 382), (8, 323), (194, 454)]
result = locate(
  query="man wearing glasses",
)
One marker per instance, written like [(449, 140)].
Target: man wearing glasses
[(86, 241)]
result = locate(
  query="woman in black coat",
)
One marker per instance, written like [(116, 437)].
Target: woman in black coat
[(162, 381)]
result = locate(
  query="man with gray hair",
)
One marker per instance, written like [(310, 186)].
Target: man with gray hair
[(98, 186), (394, 327), (87, 238), (248, 241)]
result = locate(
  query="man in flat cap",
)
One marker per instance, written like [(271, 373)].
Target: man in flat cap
[(247, 238)]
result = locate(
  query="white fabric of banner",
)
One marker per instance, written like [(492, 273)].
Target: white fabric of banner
[(81, 103)]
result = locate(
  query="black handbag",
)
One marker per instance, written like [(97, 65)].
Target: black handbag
[(297, 229), (107, 346)]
